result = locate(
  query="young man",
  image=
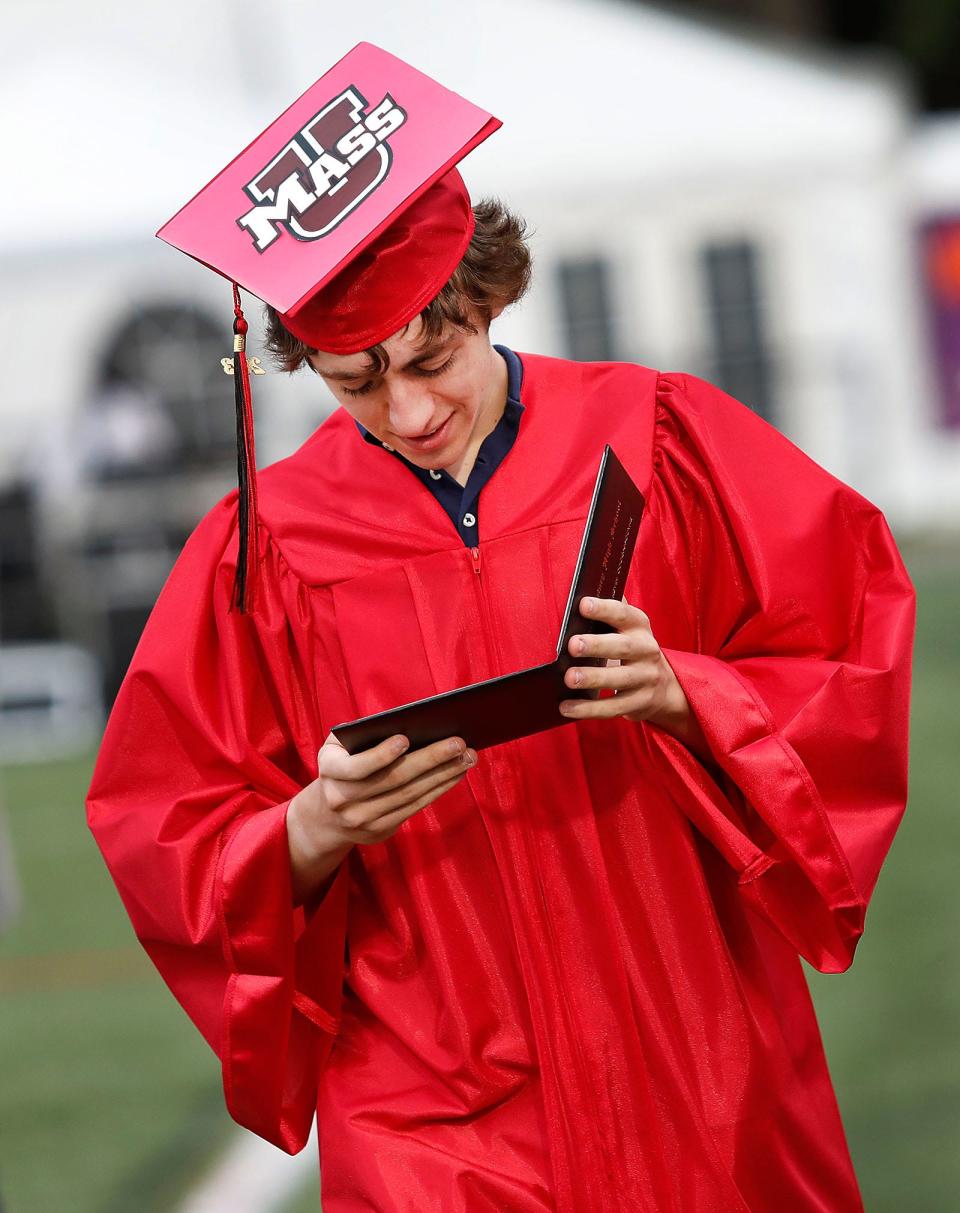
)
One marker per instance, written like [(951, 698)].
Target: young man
[(437, 394), (562, 974)]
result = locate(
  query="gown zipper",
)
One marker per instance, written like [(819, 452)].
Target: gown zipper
[(550, 939)]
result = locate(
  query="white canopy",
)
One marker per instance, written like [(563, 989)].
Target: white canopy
[(116, 116)]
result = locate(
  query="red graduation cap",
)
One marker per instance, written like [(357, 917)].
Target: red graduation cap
[(346, 214), (342, 164)]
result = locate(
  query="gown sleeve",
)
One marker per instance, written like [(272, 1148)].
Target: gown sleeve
[(791, 633), (210, 737)]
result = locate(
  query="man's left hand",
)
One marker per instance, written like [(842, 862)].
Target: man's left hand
[(642, 684)]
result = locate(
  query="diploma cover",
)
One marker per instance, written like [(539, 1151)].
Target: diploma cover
[(515, 705)]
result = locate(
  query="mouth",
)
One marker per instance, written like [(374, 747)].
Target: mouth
[(428, 441)]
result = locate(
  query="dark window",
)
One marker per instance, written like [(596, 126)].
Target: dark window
[(739, 360), (25, 610), (156, 436), (170, 355), (585, 302)]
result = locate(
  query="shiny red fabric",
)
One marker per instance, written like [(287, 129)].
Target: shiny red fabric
[(573, 983), (394, 277)]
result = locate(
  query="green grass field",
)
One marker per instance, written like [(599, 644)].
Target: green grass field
[(890, 1023), (110, 1102)]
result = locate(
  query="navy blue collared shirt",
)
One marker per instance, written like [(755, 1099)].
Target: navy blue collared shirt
[(462, 501)]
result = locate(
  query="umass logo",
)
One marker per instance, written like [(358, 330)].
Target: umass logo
[(326, 170)]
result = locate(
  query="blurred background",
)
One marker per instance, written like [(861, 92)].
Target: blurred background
[(765, 194)]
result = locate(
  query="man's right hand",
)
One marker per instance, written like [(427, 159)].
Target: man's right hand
[(364, 798)]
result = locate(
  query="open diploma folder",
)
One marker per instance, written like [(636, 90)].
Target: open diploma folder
[(516, 705)]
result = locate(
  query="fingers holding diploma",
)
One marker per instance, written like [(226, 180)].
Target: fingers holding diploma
[(364, 798), (637, 682)]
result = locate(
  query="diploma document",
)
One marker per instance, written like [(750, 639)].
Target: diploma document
[(515, 705)]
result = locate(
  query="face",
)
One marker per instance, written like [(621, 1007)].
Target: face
[(433, 403)]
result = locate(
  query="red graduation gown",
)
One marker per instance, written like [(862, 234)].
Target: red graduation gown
[(572, 983)]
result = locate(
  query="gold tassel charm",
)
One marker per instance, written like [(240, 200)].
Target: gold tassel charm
[(254, 366)]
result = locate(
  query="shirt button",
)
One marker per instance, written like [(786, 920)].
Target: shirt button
[(434, 475), (469, 520), (386, 447)]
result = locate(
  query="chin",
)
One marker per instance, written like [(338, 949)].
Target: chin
[(436, 460)]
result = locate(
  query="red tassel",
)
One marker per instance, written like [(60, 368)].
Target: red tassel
[(244, 585)]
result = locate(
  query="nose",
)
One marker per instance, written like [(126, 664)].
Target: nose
[(409, 408)]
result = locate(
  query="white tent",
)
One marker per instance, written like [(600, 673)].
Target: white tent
[(630, 133), (119, 117)]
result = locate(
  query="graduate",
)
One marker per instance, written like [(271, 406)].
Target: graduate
[(563, 973)]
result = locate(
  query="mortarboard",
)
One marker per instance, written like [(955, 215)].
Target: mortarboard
[(347, 215)]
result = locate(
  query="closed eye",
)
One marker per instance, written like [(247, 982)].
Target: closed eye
[(422, 372), (429, 372), (358, 391)]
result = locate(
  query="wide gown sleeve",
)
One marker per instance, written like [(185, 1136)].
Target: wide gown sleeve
[(212, 734), (794, 651)]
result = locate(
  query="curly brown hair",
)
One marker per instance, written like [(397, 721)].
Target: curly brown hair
[(493, 273)]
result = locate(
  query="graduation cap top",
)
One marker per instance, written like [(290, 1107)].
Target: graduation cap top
[(346, 214), (354, 181)]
